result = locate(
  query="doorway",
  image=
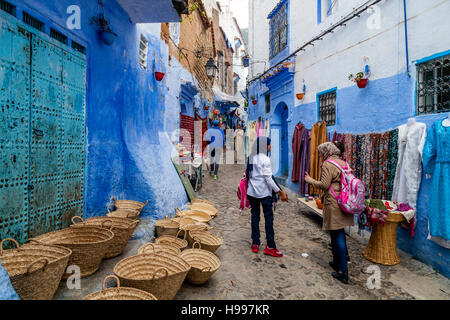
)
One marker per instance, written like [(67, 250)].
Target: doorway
[(280, 156)]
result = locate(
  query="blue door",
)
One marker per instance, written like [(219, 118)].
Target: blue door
[(50, 113), (284, 143)]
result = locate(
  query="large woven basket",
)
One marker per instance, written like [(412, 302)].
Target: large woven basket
[(161, 274), (382, 245), (89, 245), (197, 215), (173, 241), (122, 228), (208, 241), (210, 210), (198, 200), (130, 204), (166, 227), (203, 264), (35, 269), (192, 226), (119, 293), (124, 213), (154, 248)]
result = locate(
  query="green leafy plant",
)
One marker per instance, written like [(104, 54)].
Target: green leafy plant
[(356, 78)]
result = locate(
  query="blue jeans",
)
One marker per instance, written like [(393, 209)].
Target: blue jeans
[(340, 252), (268, 217), (216, 155)]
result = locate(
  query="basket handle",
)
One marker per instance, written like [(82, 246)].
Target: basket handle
[(150, 245), (197, 239), (106, 227), (206, 269), (145, 203), (178, 233), (178, 212), (159, 269), (45, 260), (196, 242), (8, 239), (76, 217), (111, 276), (152, 238)]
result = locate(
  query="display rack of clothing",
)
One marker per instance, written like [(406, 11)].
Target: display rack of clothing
[(318, 136)]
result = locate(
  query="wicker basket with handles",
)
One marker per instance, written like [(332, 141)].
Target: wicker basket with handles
[(119, 293), (203, 264)]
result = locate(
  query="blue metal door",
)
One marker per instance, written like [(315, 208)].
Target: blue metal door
[(52, 137)]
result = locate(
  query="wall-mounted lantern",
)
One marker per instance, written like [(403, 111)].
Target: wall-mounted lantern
[(211, 68)]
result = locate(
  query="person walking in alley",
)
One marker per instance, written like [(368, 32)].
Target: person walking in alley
[(260, 191), (334, 220), (216, 141)]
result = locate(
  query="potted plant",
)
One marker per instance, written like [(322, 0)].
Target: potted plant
[(359, 78), (254, 101), (300, 96), (104, 29), (159, 75)]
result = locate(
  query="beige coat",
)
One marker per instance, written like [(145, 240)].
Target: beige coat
[(333, 217)]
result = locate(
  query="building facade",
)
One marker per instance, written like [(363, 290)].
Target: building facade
[(387, 40)]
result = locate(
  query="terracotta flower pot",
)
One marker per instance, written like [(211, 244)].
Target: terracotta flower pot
[(254, 101), (300, 96), (362, 83), (159, 75)]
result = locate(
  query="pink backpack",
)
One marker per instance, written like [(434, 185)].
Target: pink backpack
[(242, 193), (351, 197)]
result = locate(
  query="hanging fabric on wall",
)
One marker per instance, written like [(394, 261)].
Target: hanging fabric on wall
[(201, 131), (187, 123), (318, 136), (392, 161), (296, 142), (259, 128), (251, 134), (304, 161), (409, 169), (436, 162), (267, 128)]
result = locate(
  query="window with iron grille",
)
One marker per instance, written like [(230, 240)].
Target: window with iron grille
[(278, 31), (327, 107), (267, 103), (433, 86), (58, 36), (7, 7), (78, 47), (143, 50), (33, 22)]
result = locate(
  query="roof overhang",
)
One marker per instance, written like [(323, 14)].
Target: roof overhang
[(154, 11)]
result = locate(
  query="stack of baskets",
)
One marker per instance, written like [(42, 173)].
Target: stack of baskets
[(127, 209), (122, 228), (89, 245), (35, 269), (119, 293)]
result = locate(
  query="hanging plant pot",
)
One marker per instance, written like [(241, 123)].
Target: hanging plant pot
[(159, 75), (108, 36), (362, 83), (206, 108), (300, 96), (254, 101)]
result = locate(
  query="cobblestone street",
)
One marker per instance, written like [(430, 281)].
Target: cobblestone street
[(246, 275)]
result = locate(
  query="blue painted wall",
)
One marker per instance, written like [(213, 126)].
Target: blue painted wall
[(383, 105), (126, 109)]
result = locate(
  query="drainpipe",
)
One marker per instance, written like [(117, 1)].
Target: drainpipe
[(406, 38)]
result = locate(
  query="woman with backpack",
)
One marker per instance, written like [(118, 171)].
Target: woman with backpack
[(260, 191), (334, 219)]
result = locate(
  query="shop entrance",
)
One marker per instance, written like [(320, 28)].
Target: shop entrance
[(280, 124), (42, 131)]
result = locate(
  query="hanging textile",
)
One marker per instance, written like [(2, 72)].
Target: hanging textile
[(392, 161), (201, 130), (238, 136), (267, 128), (358, 160), (436, 162), (304, 161), (409, 169), (259, 129), (296, 142), (187, 123), (318, 136), (366, 152), (251, 134)]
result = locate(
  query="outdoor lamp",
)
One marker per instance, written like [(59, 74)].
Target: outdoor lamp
[(211, 68)]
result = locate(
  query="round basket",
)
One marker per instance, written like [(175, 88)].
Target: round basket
[(198, 200), (210, 210), (166, 227), (184, 220), (119, 293), (35, 269), (192, 226), (122, 228), (132, 214), (203, 264), (153, 248), (161, 274), (197, 215), (130, 204), (173, 241), (208, 241), (88, 244)]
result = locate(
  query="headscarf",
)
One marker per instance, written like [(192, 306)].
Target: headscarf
[(328, 149)]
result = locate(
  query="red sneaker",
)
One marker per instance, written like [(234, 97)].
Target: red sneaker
[(255, 248), (273, 252)]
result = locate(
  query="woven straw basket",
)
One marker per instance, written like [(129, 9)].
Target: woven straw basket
[(161, 274), (197, 215), (173, 241), (132, 214), (122, 228), (208, 241), (35, 269), (154, 248), (192, 226), (382, 245), (89, 245), (166, 227), (203, 264), (198, 200), (210, 210), (119, 293), (130, 204)]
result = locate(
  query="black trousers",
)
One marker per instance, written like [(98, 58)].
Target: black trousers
[(266, 204)]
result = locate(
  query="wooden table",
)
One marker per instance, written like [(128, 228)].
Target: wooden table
[(312, 205)]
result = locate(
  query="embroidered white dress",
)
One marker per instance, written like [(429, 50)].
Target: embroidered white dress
[(411, 140)]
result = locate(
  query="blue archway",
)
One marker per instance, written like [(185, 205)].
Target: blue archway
[(280, 143)]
